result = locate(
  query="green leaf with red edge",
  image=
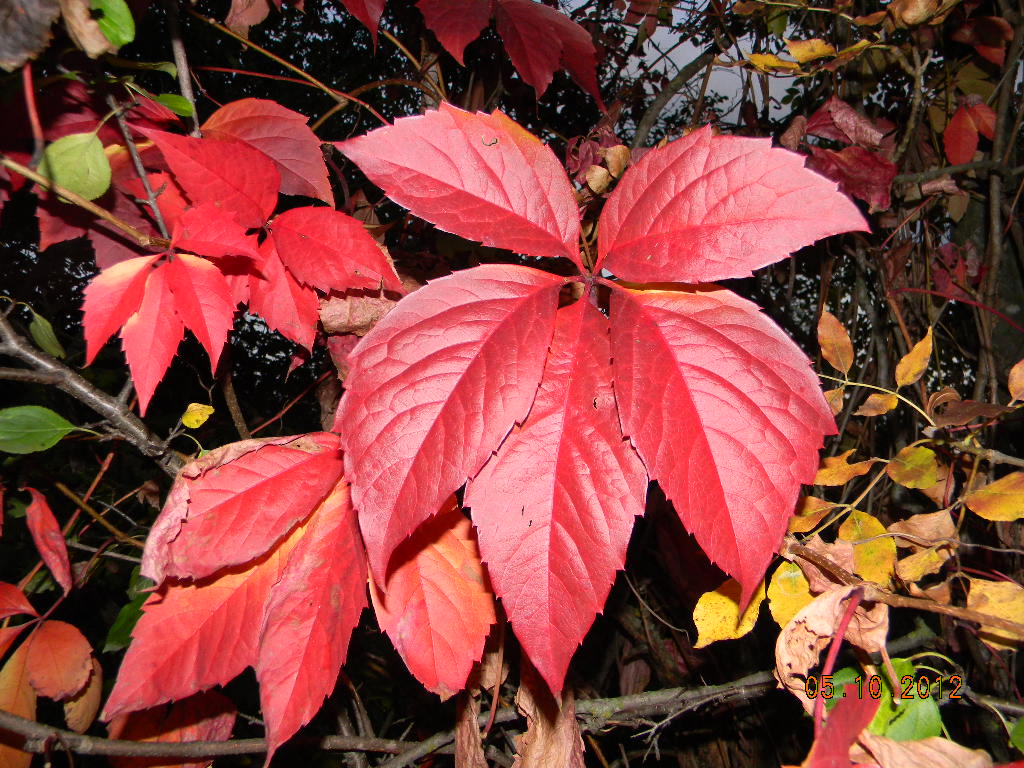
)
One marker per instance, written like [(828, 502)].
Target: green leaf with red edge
[(480, 338), (291, 309), (151, 336), (726, 413), (237, 501), (209, 230), (709, 207), (329, 250), (59, 660), (280, 134), (203, 301), (437, 607), (49, 539), (241, 180), (555, 506), (13, 601), (309, 618), (455, 23), (113, 296), (479, 176)]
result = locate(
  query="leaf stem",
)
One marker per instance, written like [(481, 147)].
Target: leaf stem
[(901, 398)]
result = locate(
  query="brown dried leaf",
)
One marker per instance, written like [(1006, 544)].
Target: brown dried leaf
[(1015, 381), (598, 178), (83, 28), (839, 552), (933, 752), (834, 398), (877, 404), (915, 362), (928, 529), (469, 745), (25, 30), (552, 736), (616, 158), (961, 412), (835, 343), (836, 470), (80, 710)]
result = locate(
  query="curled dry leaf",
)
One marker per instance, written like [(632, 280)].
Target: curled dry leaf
[(926, 529), (837, 470), (836, 346), (960, 412), (717, 614), (802, 640), (915, 362), (1002, 500), (552, 735), (840, 552), (1004, 599)]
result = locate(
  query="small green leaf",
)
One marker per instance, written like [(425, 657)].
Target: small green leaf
[(1017, 735), (43, 335), (778, 22), (115, 20), (77, 162), (120, 634), (179, 105), (31, 428)]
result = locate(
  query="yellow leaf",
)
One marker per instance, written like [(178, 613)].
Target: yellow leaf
[(914, 363), (809, 50), (877, 404), (1015, 383), (717, 614), (787, 593), (836, 470), (874, 560), (834, 398), (918, 565), (1002, 500), (809, 512), (914, 467), (998, 598), (769, 62), (196, 415), (835, 343)]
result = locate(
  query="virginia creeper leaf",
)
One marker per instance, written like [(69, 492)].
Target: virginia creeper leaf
[(455, 23), (368, 12), (960, 138), (151, 336), (237, 501), (434, 387), (280, 134), (310, 617), (331, 251), (555, 506), (709, 207), (13, 602), (479, 176), (209, 230), (289, 308), (192, 637), (241, 180), (437, 607), (849, 717), (726, 414), (49, 539), (203, 300), (59, 660), (110, 299)]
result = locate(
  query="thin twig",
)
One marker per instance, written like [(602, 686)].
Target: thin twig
[(228, 386), (661, 100), (112, 529), (140, 169), (181, 61)]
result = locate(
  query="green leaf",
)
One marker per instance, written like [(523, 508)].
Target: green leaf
[(31, 428), (77, 162), (44, 337), (906, 719), (179, 105), (1017, 735), (120, 634), (777, 23), (115, 20)]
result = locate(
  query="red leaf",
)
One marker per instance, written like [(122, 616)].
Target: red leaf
[(989, 36), (206, 716), (984, 119), (539, 39), (851, 715), (110, 299), (368, 12), (859, 172), (331, 251), (112, 246), (209, 230), (479, 176), (58, 221), (203, 300), (437, 608), (241, 180), (283, 136), (288, 308), (237, 501), (555, 506), (169, 197), (725, 412), (151, 336), (49, 539), (192, 637), (960, 137), (310, 617), (59, 660), (433, 389), (13, 602), (7, 637), (839, 121), (709, 207), (455, 23)]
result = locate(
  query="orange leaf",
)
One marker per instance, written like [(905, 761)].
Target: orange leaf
[(81, 709), (59, 660), (836, 346), (17, 698), (836, 470), (914, 363)]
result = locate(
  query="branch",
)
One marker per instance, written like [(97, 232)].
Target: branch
[(650, 117), (993, 166), (124, 422)]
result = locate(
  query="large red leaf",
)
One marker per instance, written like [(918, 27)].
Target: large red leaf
[(434, 387), (110, 299), (280, 134), (237, 501), (289, 308), (203, 299), (49, 539), (455, 23), (310, 617), (709, 207), (13, 601), (540, 39), (437, 608), (59, 660), (555, 506), (192, 637), (240, 179), (331, 251), (151, 336), (725, 412), (368, 12), (169, 197), (209, 230), (480, 176)]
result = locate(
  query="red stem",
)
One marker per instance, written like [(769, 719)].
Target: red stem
[(33, 111), (833, 653)]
